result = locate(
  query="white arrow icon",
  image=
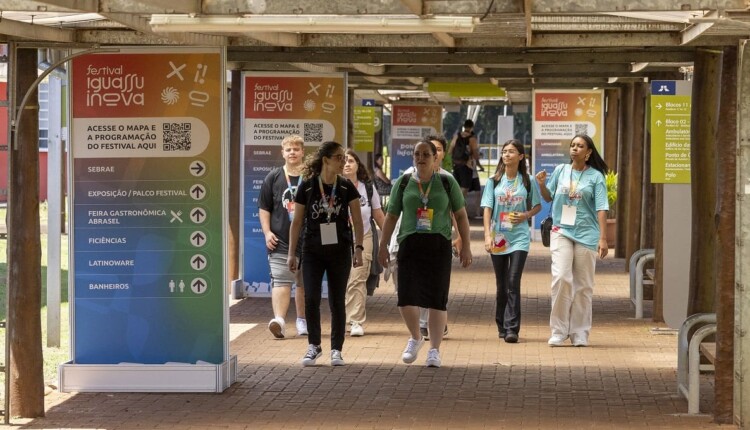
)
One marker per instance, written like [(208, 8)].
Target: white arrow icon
[(658, 123), (658, 106), (199, 285)]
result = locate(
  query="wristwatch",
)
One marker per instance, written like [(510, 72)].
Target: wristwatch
[(360, 247)]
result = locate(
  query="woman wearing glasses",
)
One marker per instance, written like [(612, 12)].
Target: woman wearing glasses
[(425, 199), (323, 198)]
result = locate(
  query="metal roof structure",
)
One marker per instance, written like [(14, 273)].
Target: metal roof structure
[(405, 44)]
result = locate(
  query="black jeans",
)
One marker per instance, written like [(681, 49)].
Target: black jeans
[(336, 260), (508, 271)]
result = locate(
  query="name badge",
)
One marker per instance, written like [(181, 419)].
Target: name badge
[(290, 210), (568, 215), (424, 219), (328, 234)]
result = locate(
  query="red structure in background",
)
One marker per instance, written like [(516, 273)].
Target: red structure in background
[(4, 153)]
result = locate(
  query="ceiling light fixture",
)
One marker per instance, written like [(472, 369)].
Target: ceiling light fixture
[(393, 24)]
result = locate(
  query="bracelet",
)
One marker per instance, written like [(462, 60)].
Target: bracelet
[(360, 247)]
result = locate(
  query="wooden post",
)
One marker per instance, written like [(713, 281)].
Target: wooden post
[(648, 198), (726, 169), (235, 146), (635, 170), (704, 125), (24, 248), (623, 192), (611, 127)]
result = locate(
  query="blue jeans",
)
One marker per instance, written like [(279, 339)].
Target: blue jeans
[(508, 271), (336, 260)]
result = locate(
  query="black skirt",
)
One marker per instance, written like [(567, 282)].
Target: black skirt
[(424, 271)]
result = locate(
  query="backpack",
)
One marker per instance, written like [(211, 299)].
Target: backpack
[(443, 178), (461, 150)]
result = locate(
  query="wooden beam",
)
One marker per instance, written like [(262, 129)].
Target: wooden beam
[(725, 234), (489, 56), (704, 129)]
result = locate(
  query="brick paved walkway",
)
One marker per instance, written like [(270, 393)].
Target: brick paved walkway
[(625, 379)]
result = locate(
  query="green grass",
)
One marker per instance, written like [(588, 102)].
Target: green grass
[(53, 356)]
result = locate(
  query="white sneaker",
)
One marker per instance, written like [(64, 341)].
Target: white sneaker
[(276, 326), (357, 330), (412, 349), (557, 340), (433, 358), (336, 358), (579, 339), (301, 327), (312, 354)]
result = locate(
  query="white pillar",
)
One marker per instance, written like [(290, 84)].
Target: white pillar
[(54, 209)]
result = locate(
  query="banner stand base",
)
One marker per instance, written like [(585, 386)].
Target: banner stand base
[(148, 378)]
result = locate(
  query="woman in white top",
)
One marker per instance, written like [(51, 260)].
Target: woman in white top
[(356, 288)]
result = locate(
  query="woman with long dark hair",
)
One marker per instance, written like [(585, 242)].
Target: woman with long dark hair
[(356, 288), (326, 199), (579, 218), (509, 201)]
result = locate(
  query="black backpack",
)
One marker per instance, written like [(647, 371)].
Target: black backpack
[(461, 150)]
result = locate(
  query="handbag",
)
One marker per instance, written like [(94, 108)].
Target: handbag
[(373, 280), (546, 228)]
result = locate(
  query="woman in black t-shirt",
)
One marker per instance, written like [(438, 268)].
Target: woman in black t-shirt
[(323, 198)]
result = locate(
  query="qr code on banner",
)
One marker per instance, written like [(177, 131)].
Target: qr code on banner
[(581, 129), (313, 132), (177, 136)]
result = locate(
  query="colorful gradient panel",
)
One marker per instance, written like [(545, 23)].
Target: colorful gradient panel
[(147, 198)]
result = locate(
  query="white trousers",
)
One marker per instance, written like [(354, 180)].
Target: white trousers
[(573, 267)]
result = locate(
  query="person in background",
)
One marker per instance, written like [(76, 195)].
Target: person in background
[(506, 233), (465, 154), (424, 255), (381, 181), (321, 205), (356, 289), (275, 211), (579, 217)]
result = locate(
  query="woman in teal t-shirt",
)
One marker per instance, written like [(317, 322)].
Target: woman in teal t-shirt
[(579, 216), (506, 233)]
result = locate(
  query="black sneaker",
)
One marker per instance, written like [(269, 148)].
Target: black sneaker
[(312, 354), (511, 337)]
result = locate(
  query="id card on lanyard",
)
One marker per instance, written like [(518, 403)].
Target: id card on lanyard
[(328, 234), (293, 192), (424, 214), (568, 216)]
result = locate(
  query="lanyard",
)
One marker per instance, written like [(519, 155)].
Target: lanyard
[(289, 183), (424, 195), (573, 187), (328, 204)]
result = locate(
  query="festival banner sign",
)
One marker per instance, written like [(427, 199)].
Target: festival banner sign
[(409, 123), (148, 207), (671, 103), (277, 105), (559, 115)]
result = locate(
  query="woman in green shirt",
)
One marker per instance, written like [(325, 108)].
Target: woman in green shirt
[(424, 254)]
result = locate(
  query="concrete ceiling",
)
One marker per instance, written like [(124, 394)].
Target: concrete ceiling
[(515, 44)]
